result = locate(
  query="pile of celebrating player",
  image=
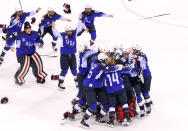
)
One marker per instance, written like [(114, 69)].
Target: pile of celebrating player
[(109, 81), (112, 82)]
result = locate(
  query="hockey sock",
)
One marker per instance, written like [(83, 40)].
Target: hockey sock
[(132, 106), (120, 114), (141, 106), (147, 102), (90, 111)]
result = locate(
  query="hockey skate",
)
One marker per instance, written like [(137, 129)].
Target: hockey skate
[(84, 123)]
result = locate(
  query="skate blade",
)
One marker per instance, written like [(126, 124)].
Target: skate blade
[(111, 126), (84, 127), (60, 89)]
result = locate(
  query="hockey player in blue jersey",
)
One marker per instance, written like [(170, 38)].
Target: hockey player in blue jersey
[(27, 56), (88, 17), (115, 88), (68, 49), (15, 26), (45, 25), (135, 80), (126, 58), (145, 74), (92, 85), (84, 66)]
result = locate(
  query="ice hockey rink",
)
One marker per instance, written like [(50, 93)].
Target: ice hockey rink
[(36, 107)]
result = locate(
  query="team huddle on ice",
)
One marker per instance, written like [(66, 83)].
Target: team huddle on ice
[(110, 81)]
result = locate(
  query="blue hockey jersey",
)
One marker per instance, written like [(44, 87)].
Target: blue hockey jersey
[(90, 19), (16, 25), (113, 80), (143, 63), (68, 43), (95, 76), (47, 21), (85, 61), (25, 44)]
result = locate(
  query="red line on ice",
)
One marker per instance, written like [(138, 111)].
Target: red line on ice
[(142, 16)]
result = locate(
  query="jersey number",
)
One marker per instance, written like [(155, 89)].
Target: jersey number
[(113, 78)]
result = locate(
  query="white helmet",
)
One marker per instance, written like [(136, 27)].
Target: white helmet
[(88, 6), (136, 47), (102, 57), (17, 9), (82, 47), (68, 28), (50, 9), (126, 50), (94, 48), (118, 52)]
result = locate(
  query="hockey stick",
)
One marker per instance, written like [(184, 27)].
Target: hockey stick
[(155, 16), (20, 4)]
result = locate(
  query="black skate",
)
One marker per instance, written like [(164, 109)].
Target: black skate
[(60, 86), (129, 118), (1, 60), (91, 43), (142, 113), (84, 123), (148, 108), (111, 122), (18, 83), (125, 121), (41, 80), (99, 118), (72, 116)]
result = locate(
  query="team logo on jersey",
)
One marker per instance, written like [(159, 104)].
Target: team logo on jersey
[(48, 23), (66, 37), (23, 39)]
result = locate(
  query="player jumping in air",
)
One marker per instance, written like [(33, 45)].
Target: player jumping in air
[(88, 17)]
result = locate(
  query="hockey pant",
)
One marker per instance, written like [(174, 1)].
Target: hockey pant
[(92, 32), (26, 61)]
